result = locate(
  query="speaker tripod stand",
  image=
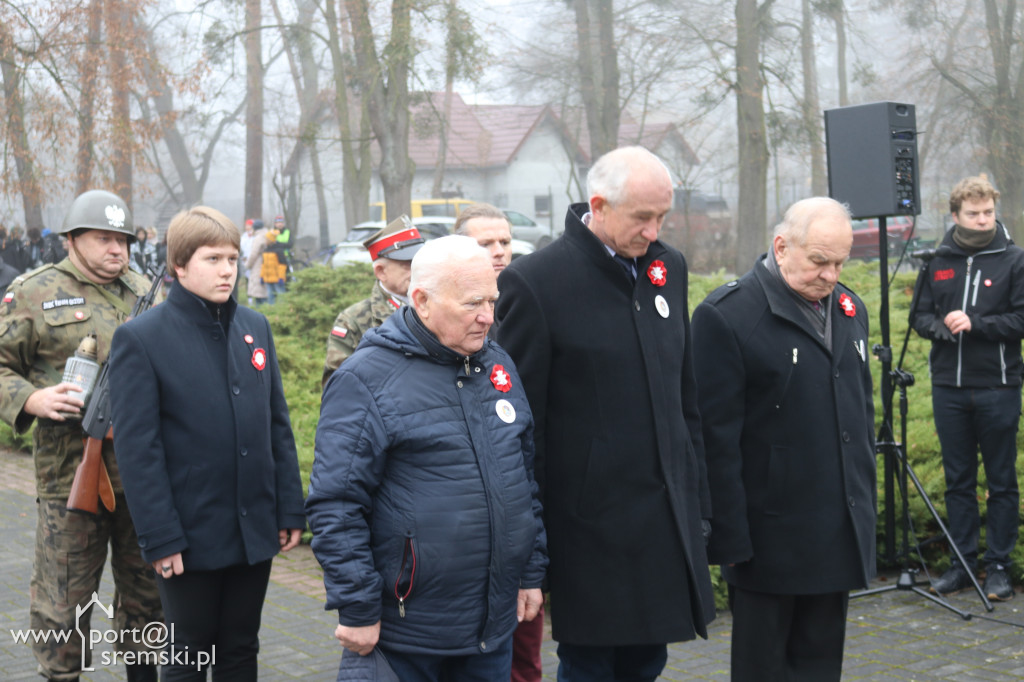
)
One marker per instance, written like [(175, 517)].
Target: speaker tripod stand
[(894, 453)]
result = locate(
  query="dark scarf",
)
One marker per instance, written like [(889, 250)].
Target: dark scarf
[(819, 314), (973, 241)]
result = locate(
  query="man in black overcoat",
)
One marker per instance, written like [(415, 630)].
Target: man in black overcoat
[(598, 325), (783, 368)]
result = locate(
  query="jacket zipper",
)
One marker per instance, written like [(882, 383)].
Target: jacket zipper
[(963, 308)]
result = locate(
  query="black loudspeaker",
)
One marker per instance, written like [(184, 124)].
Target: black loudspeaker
[(872, 159)]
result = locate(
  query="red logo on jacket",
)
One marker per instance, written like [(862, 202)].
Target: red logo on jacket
[(657, 273), (941, 275), (259, 359), (501, 380)]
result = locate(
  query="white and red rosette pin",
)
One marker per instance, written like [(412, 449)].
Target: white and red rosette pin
[(501, 380), (259, 359), (657, 273), (846, 303)]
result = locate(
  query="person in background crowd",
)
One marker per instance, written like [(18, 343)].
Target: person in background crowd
[(971, 307), (598, 326), (274, 269), (422, 500), (212, 483), (44, 316), (784, 378), (255, 287), (391, 248), (34, 247), (143, 258)]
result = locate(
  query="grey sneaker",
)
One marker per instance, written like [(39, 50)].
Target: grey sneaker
[(952, 581), (997, 583)]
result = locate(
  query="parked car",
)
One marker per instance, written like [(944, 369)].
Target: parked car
[(527, 229), (865, 236), (425, 208), (351, 250)]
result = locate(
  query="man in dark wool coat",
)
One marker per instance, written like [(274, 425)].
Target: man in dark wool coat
[(598, 325), (786, 407)]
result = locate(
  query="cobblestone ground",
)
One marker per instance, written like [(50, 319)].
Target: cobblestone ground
[(897, 635)]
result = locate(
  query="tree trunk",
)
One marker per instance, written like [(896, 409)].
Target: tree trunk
[(751, 234), (17, 136), (810, 106), (122, 139), (599, 74), (388, 103), (86, 123), (253, 111), (357, 164)]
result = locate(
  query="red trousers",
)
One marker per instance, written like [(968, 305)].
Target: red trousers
[(526, 665)]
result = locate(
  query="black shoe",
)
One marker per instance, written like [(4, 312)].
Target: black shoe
[(952, 581), (997, 583)]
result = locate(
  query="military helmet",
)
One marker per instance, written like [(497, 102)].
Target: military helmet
[(98, 209)]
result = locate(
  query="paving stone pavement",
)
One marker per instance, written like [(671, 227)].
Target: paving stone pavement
[(893, 636)]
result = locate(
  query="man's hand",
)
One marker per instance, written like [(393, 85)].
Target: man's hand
[(957, 321), (51, 401), (528, 604), (289, 538), (360, 639), (169, 566)]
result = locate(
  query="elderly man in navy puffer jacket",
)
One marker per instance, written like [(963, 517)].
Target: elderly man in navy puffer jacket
[(422, 501)]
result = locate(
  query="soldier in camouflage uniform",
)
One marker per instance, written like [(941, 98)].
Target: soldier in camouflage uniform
[(391, 248), (43, 317)]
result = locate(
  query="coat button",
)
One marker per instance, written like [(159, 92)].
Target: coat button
[(483, 646), (243, 511), (846, 436), (216, 337), (476, 369), (244, 452), (459, 384), (835, 373), (142, 542), (636, 305), (235, 390), (853, 503)]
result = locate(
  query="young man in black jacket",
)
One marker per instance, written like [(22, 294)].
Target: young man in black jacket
[(971, 306)]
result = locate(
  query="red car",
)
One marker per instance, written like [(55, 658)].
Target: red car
[(865, 236)]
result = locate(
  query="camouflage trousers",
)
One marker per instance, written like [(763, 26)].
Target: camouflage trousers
[(71, 549)]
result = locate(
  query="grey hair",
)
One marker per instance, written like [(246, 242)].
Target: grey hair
[(432, 264), (799, 216), (478, 210), (610, 173)]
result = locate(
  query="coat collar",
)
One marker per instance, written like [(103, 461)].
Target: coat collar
[(581, 235), (782, 305), (199, 309)]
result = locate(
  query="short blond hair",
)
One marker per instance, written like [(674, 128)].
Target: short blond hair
[(196, 227), (971, 189)]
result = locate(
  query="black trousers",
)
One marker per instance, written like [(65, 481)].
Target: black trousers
[(787, 638), (215, 617)]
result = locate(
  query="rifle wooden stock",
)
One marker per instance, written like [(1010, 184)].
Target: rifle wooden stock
[(92, 482)]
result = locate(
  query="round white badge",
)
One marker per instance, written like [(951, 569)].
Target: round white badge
[(662, 305), (506, 412)]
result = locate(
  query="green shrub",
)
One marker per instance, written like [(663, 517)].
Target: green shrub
[(302, 319)]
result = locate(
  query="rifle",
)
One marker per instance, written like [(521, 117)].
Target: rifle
[(92, 482)]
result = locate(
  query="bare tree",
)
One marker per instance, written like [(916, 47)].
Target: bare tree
[(598, 63), (810, 107), (356, 141), (751, 230), (253, 110), (17, 135), (385, 84)]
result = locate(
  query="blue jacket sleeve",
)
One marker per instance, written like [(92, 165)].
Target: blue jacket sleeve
[(350, 454)]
